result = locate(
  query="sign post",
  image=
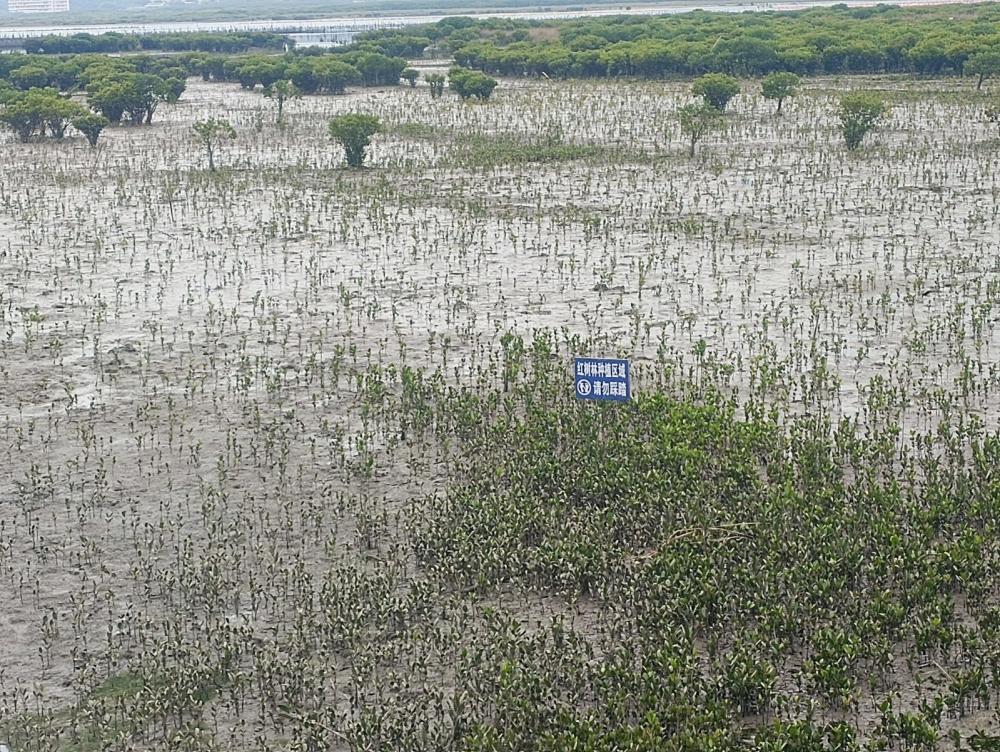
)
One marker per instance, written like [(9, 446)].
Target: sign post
[(603, 379)]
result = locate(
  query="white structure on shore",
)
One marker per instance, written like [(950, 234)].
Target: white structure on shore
[(38, 6)]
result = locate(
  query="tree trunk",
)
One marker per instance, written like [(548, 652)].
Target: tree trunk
[(211, 159)]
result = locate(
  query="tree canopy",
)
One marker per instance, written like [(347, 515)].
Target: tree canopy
[(90, 125), (835, 40), (696, 121), (354, 132), (312, 72), (860, 112), (717, 89), (984, 64), (469, 83), (38, 112), (779, 87), (133, 96), (231, 42), (210, 134), (281, 92), (436, 82)]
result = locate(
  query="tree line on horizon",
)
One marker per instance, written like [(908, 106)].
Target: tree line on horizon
[(40, 94), (312, 74), (963, 40), (956, 40), (117, 42)]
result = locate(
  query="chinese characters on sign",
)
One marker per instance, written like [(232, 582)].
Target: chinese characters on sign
[(603, 379)]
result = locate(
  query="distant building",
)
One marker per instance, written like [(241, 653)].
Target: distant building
[(38, 6)]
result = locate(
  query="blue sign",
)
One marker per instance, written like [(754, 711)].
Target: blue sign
[(604, 379)]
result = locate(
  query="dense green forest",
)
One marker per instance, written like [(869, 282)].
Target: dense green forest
[(116, 42), (837, 40), (36, 91), (882, 39), (308, 69), (34, 88)]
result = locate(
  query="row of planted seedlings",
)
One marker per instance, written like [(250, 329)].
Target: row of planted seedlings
[(666, 569), (217, 423)]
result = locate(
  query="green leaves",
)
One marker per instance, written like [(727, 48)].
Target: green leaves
[(717, 89), (697, 121), (983, 64), (779, 87), (211, 133), (37, 112), (468, 83), (90, 125), (294, 459), (436, 82), (860, 112), (354, 132), (282, 92), (134, 96), (814, 42)]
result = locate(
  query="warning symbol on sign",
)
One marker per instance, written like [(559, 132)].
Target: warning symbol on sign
[(604, 379)]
